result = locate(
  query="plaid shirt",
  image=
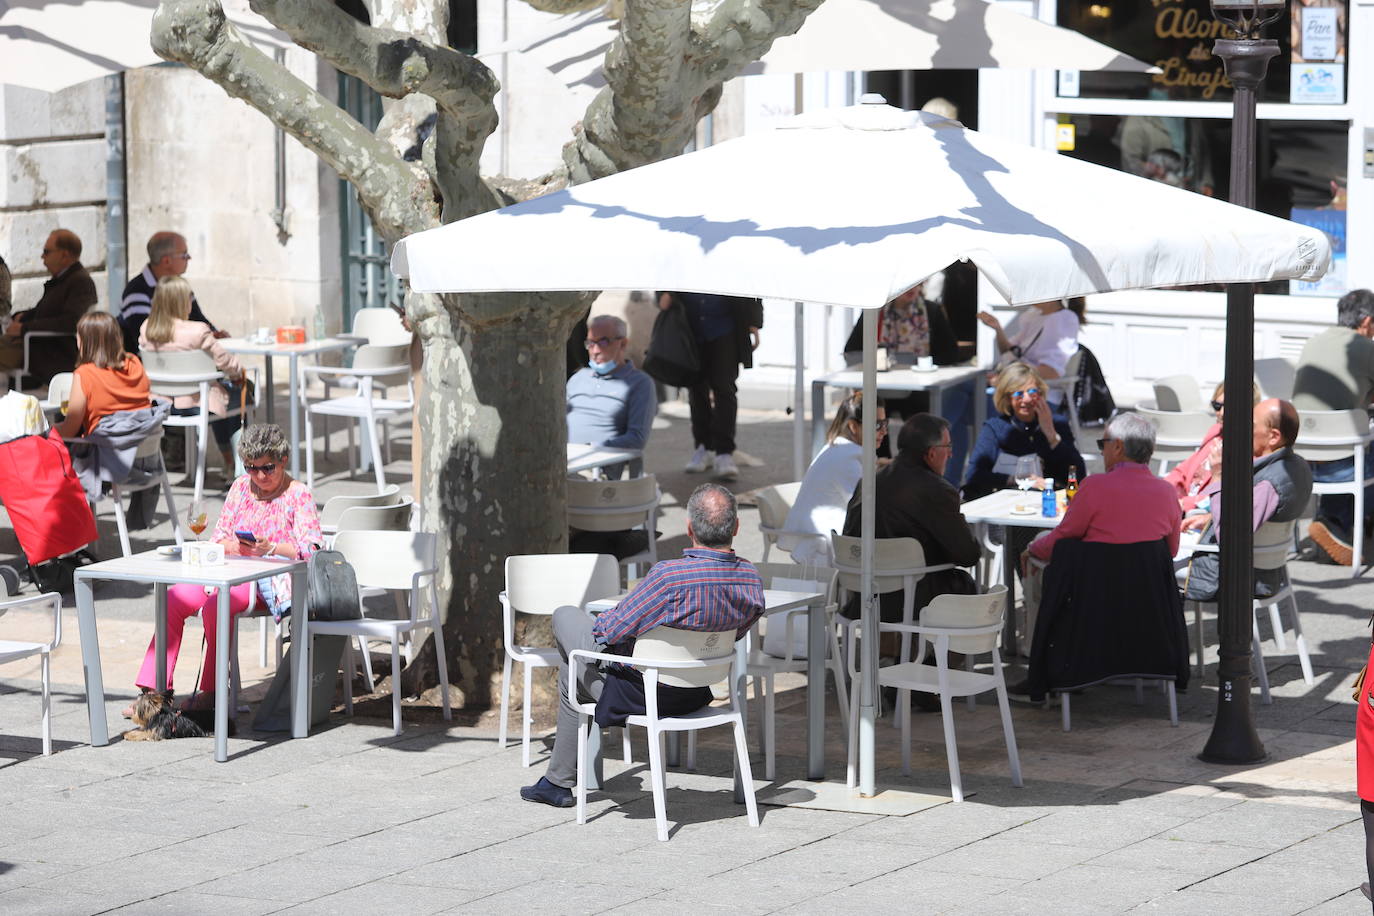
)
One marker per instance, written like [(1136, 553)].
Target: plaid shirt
[(708, 590)]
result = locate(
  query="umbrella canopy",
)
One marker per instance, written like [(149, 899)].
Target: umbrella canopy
[(50, 46), (851, 207), (856, 35)]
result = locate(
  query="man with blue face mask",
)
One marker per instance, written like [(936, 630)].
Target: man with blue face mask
[(610, 402)]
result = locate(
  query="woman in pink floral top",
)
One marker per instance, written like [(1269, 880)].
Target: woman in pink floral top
[(281, 514)]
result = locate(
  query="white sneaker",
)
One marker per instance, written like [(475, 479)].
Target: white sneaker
[(700, 458), (725, 467)]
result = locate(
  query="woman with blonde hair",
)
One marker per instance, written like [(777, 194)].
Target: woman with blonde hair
[(1023, 425), (168, 329)]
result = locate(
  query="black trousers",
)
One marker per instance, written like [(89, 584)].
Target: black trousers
[(713, 400)]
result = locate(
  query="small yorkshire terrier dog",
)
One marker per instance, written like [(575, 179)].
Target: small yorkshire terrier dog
[(157, 720)]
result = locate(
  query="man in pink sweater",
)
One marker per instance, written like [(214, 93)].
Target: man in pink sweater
[(1126, 504)]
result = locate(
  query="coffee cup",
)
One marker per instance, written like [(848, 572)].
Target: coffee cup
[(925, 363), (264, 333)]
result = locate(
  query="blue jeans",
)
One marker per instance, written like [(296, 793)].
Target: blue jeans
[(954, 406), (1340, 508)]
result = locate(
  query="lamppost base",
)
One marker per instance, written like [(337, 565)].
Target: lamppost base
[(1234, 739)]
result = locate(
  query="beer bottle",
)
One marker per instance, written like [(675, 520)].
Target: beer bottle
[(1071, 489)]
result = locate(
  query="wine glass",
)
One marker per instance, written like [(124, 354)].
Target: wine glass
[(1027, 470), (196, 517)]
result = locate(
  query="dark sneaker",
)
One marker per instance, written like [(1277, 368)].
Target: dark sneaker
[(1333, 541), (546, 793)]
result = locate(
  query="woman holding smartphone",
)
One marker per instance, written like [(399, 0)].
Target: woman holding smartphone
[(267, 513)]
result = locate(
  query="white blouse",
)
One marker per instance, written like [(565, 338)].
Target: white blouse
[(823, 501)]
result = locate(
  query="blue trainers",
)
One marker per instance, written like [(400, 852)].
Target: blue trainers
[(546, 793)]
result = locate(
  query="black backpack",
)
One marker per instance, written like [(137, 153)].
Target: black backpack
[(672, 357), (1091, 394), (333, 587)]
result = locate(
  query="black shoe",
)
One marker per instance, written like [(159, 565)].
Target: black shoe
[(546, 793), (1020, 691)]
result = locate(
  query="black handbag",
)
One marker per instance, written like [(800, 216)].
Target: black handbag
[(672, 357)]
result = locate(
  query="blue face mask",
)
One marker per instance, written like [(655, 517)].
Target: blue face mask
[(605, 368)]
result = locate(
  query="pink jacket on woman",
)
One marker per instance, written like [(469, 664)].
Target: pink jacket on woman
[(1192, 476), (196, 335)]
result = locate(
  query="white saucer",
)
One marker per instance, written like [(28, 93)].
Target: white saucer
[(1024, 512), (169, 550)]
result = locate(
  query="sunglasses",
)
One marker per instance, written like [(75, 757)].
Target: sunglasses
[(602, 342), (1026, 393), (259, 468), (1218, 405), (1102, 443)]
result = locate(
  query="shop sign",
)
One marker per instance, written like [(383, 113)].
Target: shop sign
[(1331, 222), (1318, 33)]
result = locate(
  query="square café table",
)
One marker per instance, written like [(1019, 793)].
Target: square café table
[(996, 509), (904, 378), (162, 571), (293, 352)]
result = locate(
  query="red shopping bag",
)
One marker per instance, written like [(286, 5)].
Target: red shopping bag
[(44, 498)]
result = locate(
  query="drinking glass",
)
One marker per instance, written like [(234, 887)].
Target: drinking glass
[(1027, 470), (197, 518)]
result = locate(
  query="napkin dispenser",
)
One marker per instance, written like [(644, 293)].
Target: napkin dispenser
[(291, 334), (202, 553)]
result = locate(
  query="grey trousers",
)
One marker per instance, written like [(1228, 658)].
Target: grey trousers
[(572, 629)]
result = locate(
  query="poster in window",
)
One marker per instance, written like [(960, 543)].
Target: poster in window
[(1331, 222), (1318, 35)]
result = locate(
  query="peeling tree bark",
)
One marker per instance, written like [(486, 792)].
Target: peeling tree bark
[(491, 410)]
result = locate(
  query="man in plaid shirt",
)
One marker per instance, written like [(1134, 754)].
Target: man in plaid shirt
[(709, 589)]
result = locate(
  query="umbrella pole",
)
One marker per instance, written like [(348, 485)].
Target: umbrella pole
[(799, 457), (868, 614)]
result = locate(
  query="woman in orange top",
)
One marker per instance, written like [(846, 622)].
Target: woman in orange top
[(107, 379)]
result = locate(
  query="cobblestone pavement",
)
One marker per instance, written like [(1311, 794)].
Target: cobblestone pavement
[(1117, 815)]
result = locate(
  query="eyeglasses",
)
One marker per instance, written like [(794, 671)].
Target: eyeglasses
[(181, 256), (602, 342), (880, 425), (1102, 443), (1218, 405), (260, 468), (1025, 393), (49, 250)]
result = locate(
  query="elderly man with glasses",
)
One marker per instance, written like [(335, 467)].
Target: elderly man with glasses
[(610, 402), (68, 295), (168, 256)]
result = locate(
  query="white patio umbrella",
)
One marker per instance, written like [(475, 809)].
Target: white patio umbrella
[(52, 45), (786, 213), (854, 35)]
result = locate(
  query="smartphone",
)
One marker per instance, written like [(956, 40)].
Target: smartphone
[(246, 536)]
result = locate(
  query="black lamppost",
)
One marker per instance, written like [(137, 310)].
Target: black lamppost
[(1246, 57)]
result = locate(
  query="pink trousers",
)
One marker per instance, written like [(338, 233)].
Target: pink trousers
[(184, 601)]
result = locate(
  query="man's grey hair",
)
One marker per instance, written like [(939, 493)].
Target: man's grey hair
[(621, 329), (161, 245), (263, 440), (1136, 435), (1354, 307), (712, 512)]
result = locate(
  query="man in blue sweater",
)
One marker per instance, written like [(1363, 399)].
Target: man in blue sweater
[(610, 402)]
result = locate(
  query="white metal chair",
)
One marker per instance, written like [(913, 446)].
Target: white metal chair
[(15, 650), (617, 505), (1272, 542), (538, 585), (969, 624), (1067, 382), (395, 517), (336, 506), (774, 503), (678, 658), (763, 665), (16, 376), (1179, 394), (174, 373), (1331, 435), (396, 561), (1276, 377), (1177, 433), (375, 367)]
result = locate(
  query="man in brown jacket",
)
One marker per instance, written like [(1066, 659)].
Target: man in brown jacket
[(66, 297)]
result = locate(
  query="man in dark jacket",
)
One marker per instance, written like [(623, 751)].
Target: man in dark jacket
[(913, 500), (727, 333), (66, 297)]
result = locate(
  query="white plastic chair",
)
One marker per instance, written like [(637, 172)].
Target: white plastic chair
[(378, 326), (375, 367), (174, 373), (1178, 394), (763, 666), (539, 584), (1276, 377), (16, 376), (396, 561), (774, 503), (617, 505), (950, 623), (15, 650), (1271, 545), (677, 658), (1330, 435), (336, 506), (1177, 433), (150, 447)]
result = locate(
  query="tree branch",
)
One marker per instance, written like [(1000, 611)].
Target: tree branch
[(196, 33)]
